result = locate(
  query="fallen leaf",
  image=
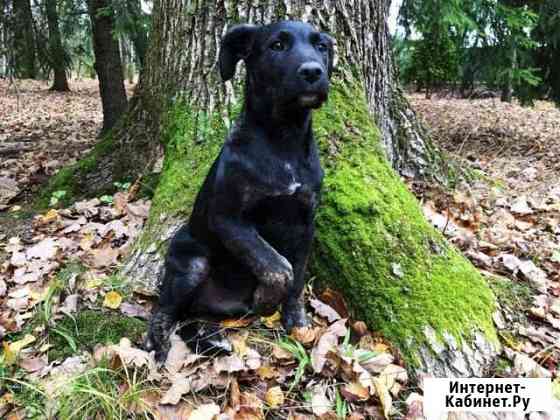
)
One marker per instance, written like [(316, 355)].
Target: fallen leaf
[(104, 257), (11, 350), (384, 397), (320, 404), (134, 310), (112, 300), (229, 364), (32, 364), (272, 321), (354, 392), (305, 335), (237, 323), (327, 342), (180, 385), (324, 310), (205, 412), (274, 397)]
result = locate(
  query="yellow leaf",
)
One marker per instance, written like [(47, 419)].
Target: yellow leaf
[(237, 323), (112, 300), (355, 391), (239, 343), (50, 216), (11, 350), (274, 397), (272, 321), (384, 397), (267, 372)]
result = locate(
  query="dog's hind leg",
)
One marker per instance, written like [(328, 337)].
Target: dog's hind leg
[(186, 268), (159, 331)]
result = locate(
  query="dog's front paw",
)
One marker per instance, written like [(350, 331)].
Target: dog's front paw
[(277, 274)]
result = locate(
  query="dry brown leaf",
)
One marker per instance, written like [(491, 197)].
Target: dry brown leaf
[(104, 257), (237, 323), (32, 364), (360, 328), (274, 397), (180, 385), (251, 407), (327, 342), (229, 364), (267, 372), (355, 392), (177, 354), (320, 404), (205, 412), (134, 310), (305, 335), (280, 354), (324, 310), (335, 300)]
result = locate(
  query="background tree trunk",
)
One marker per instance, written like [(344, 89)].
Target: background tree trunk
[(107, 62), (57, 55), (373, 243), (137, 30), (24, 40)]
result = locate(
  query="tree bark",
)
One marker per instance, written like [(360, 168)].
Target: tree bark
[(24, 40), (58, 60), (107, 62), (373, 244)]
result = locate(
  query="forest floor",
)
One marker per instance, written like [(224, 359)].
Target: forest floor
[(72, 329)]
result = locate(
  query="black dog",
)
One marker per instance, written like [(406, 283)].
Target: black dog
[(246, 244)]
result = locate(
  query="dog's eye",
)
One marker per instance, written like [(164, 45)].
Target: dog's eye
[(277, 46), (322, 47)]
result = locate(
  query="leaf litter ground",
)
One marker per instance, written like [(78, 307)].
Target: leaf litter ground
[(72, 329)]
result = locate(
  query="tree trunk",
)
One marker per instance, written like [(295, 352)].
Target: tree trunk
[(107, 62), (507, 89), (24, 40), (56, 50), (373, 244), (137, 29)]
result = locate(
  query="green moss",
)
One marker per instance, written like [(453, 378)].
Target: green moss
[(67, 178), (192, 142), (515, 297), (370, 228), (91, 327)]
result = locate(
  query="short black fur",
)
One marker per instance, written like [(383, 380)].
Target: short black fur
[(246, 244)]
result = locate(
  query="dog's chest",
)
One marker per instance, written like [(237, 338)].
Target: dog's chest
[(297, 180)]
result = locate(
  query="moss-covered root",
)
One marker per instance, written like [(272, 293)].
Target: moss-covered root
[(397, 272)]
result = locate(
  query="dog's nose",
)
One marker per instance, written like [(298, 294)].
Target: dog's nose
[(310, 72)]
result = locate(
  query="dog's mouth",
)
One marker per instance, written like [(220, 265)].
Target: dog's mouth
[(311, 100)]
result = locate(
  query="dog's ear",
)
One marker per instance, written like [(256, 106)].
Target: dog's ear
[(236, 45), (330, 53)]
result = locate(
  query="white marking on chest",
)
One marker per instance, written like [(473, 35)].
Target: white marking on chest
[(292, 188)]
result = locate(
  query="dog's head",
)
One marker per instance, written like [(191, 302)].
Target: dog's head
[(289, 62)]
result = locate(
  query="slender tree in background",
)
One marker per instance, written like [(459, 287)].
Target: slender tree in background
[(58, 59), (24, 40), (135, 26), (107, 62)]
